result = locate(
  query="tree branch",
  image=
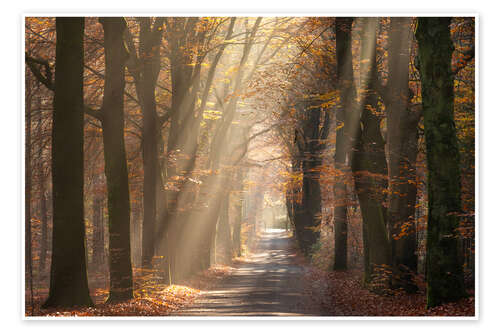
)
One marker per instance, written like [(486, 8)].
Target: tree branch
[(46, 79), (48, 82)]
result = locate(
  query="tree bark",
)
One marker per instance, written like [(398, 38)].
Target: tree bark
[(311, 204), (224, 231), (445, 280), (45, 229), (144, 67), (42, 187), (115, 159), (309, 139), (345, 77), (27, 198), (369, 163), (149, 42), (238, 214), (68, 282), (402, 138), (98, 232)]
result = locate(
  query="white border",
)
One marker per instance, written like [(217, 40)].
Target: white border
[(267, 13)]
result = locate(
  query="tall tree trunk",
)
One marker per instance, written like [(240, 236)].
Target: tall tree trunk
[(293, 206), (137, 237), (402, 136), (224, 231), (181, 147), (45, 229), (238, 214), (115, 159), (345, 77), (313, 130), (98, 232), (27, 198), (68, 282), (311, 203), (211, 216), (42, 187), (149, 41), (445, 280), (145, 67), (369, 163)]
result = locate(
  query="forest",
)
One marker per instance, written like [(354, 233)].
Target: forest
[(249, 166)]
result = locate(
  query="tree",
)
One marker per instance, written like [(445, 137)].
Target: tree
[(145, 68), (309, 137), (343, 26), (116, 160), (402, 137), (42, 178), (444, 270), (181, 146), (98, 230), (236, 237), (221, 151), (369, 164), (68, 278), (27, 199)]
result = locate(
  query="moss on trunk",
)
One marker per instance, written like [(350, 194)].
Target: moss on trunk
[(445, 280)]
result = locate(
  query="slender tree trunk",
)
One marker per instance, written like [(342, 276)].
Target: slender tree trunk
[(345, 77), (224, 231), (68, 282), (27, 198), (144, 67), (211, 217), (402, 136), (98, 232), (136, 241), (292, 204), (120, 266), (311, 203), (313, 129), (445, 280), (369, 164), (45, 229), (340, 218), (150, 155), (238, 214), (42, 198)]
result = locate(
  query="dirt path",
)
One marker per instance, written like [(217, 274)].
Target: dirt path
[(269, 284)]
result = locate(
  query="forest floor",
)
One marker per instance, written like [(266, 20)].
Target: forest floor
[(151, 296), (346, 296), (273, 280)]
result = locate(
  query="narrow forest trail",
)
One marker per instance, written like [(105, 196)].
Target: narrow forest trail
[(270, 283)]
